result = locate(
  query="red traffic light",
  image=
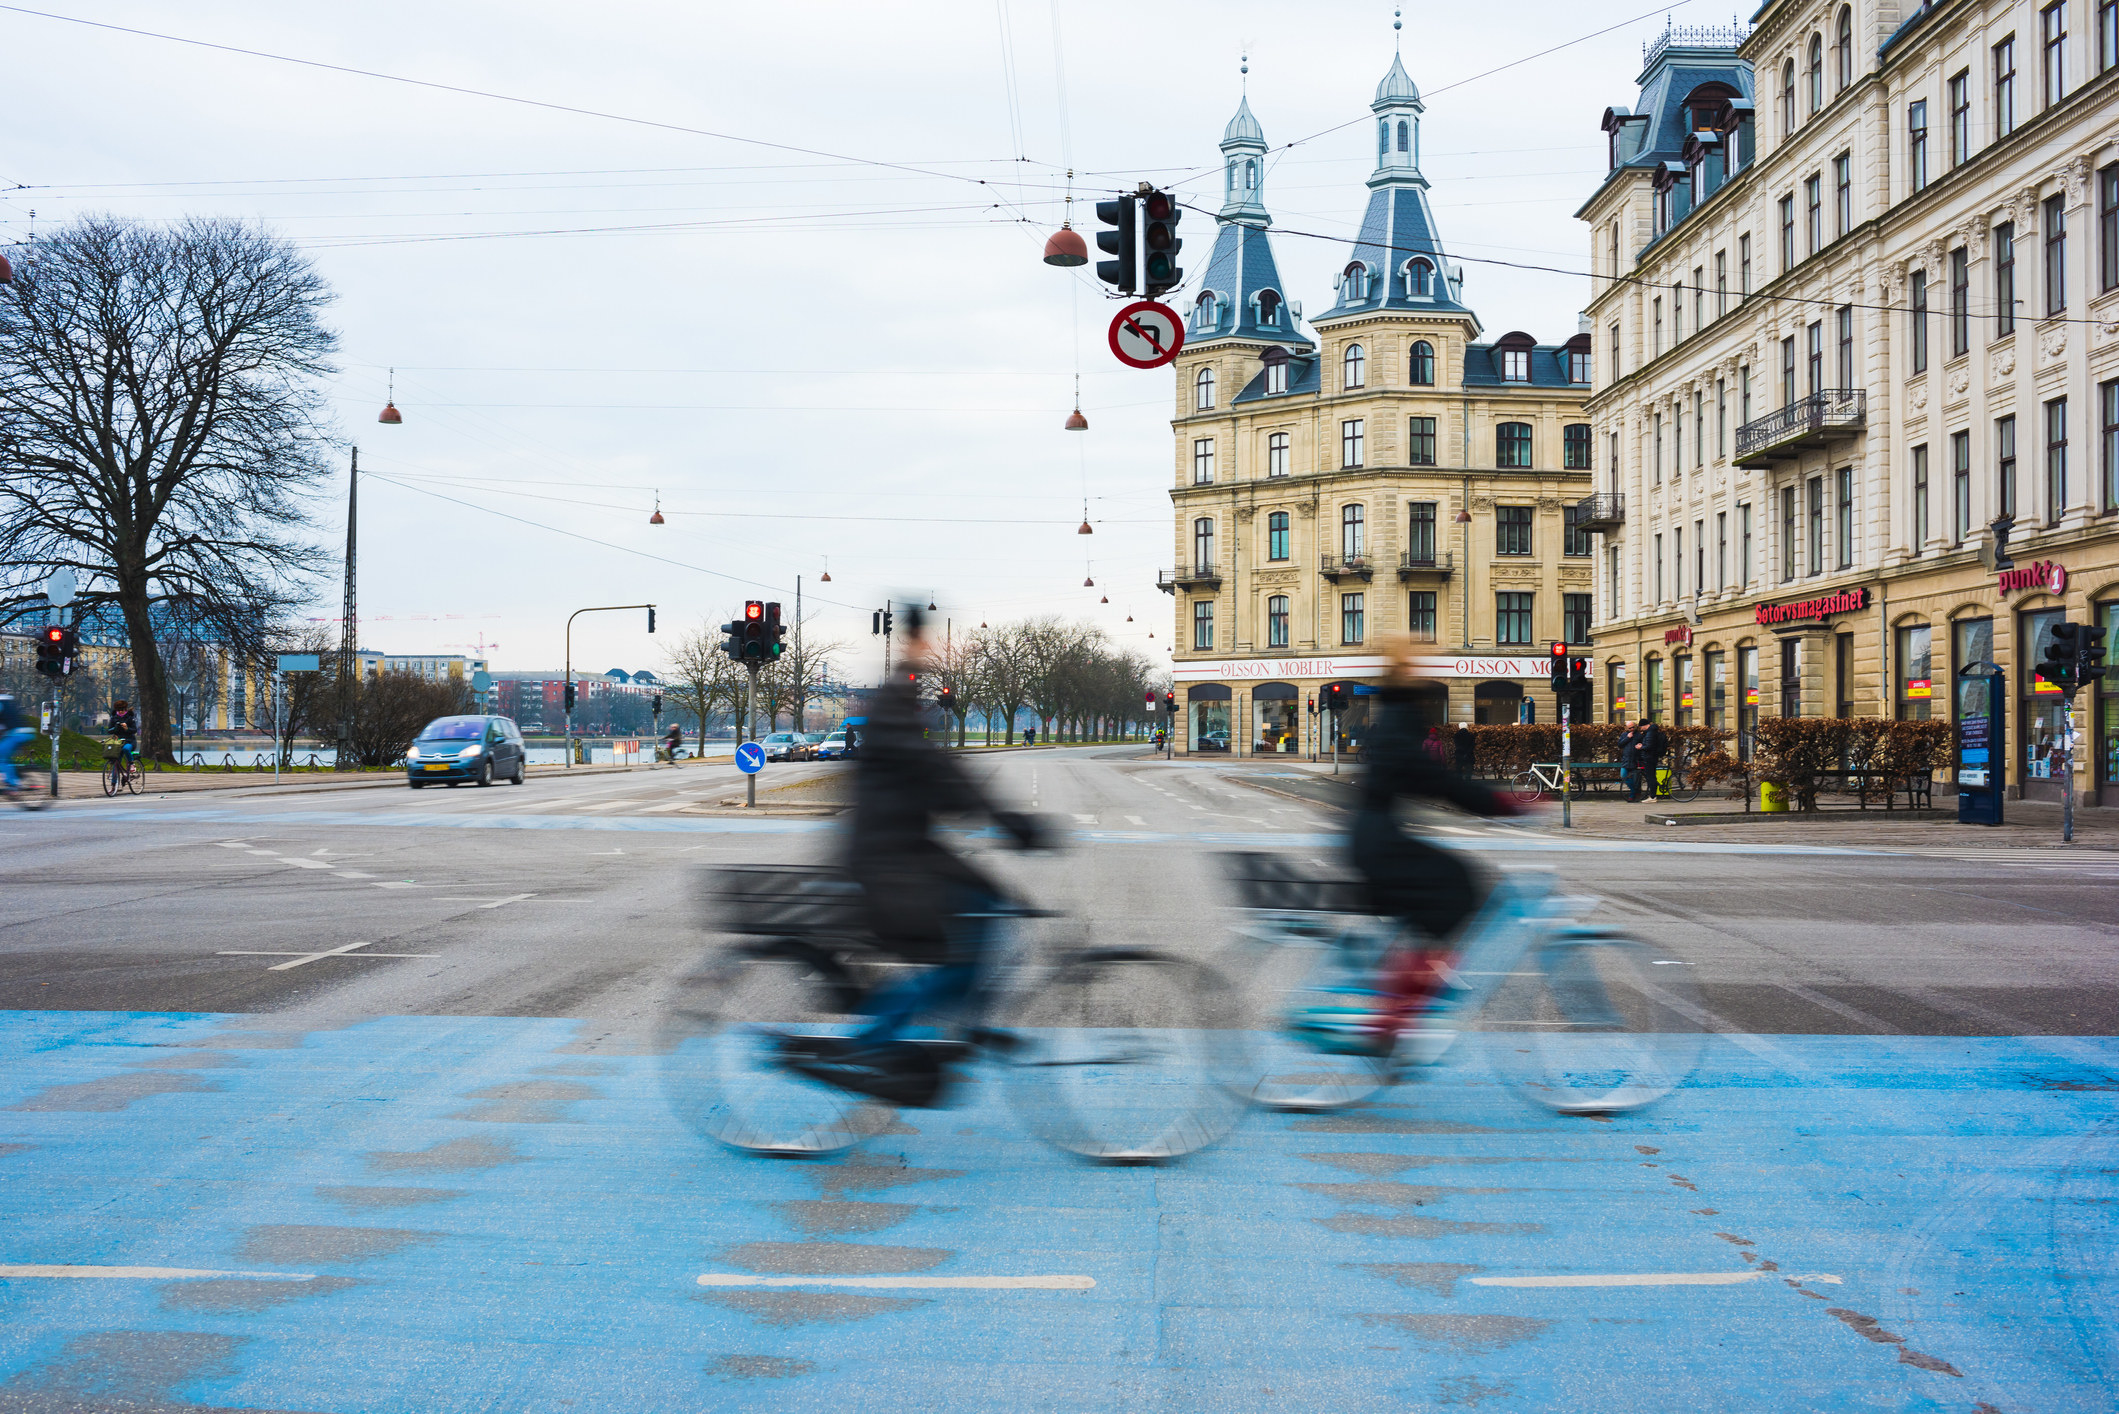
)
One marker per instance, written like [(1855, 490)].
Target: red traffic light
[(1559, 650), (753, 608), (55, 634)]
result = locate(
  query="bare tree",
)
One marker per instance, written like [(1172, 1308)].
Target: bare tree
[(160, 412), (959, 667), (1005, 676), (309, 701), (390, 708), (796, 675), (703, 677)]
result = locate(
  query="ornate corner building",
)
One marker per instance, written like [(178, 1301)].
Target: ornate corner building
[(1371, 472), (1857, 300)]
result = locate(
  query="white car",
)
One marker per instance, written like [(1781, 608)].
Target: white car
[(833, 747)]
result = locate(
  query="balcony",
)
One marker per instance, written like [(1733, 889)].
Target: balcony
[(1411, 563), (1342, 567), (1816, 421), (1605, 511), (1188, 577)]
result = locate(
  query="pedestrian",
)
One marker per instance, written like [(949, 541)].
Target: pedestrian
[(1630, 762), (1467, 749), (675, 739), (1655, 744), (1434, 748)]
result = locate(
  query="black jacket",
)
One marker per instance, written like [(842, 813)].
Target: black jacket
[(1467, 749), (913, 884), (1655, 744), (1408, 878), (1629, 747)]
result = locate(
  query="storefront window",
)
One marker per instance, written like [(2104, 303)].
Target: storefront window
[(1972, 641), (2107, 724), (1278, 712), (1210, 718), (1655, 688), (1916, 684), (1686, 701), (1615, 695), (2044, 708), (1717, 691), (1747, 702)]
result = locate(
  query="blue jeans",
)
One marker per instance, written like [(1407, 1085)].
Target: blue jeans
[(931, 989), (13, 742)]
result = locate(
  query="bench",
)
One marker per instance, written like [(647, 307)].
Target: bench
[(1580, 769), (1919, 789)]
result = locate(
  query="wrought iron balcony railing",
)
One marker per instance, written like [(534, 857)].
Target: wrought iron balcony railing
[(1359, 565), (1606, 510), (1823, 417), (1187, 577), (1412, 562)]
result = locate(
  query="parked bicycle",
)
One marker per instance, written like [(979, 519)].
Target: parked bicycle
[(1570, 1015), (121, 769), (1545, 778), (1121, 1055)]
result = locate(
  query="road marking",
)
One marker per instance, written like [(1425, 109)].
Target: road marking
[(494, 903), (398, 884), (146, 1273), (1085, 819), (1136, 820), (353, 874), (1656, 1279), (306, 863), (1036, 1283), (671, 805), (303, 959)]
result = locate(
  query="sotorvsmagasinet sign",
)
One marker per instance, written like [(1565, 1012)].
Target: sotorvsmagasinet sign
[(1823, 607)]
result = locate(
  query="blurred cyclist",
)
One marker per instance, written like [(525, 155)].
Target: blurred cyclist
[(15, 736), (1430, 890), (124, 727), (923, 903)]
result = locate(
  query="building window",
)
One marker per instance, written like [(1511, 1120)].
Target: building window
[(1960, 302), (1721, 283), (2005, 87), (1205, 312), (1699, 298), (2108, 57), (1277, 621), (2005, 279), (1657, 464), (1916, 676), (2055, 255), (1354, 283), (1917, 144), (2052, 50), (1203, 544), (1420, 615), (1788, 99), (1203, 387), (1355, 368), (1656, 347), (1615, 364), (1350, 441), (1960, 486), (1721, 551), (2055, 459), (1845, 525), (1788, 371), (1814, 563), (1787, 533), (1350, 618), (1920, 499), (1277, 536), (1202, 623), (1352, 522), (1743, 394), (1512, 619), (2108, 214), (1677, 560), (1203, 461), (1788, 232), (1276, 454), (2005, 466), (1419, 276), (1574, 618), (1721, 418), (1743, 267), (1512, 445), (1961, 118), (1844, 319), (1814, 212), (1420, 532), (1816, 94), (1574, 540), (1699, 429), (1574, 446), (1512, 530), (1815, 364), (1843, 48), (2108, 402), (1611, 581), (1423, 363), (1269, 309), (1578, 365), (1743, 545), (1843, 194), (1919, 316), (1515, 365), (1276, 377), (1420, 441)]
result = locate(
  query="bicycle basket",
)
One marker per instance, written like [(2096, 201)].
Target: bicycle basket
[(1270, 882), (786, 900)]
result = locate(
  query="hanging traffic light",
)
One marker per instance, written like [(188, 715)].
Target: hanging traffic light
[(2063, 656), (651, 618), (1159, 236), (50, 655), (1556, 667), (1119, 215), (2091, 663), (774, 633)]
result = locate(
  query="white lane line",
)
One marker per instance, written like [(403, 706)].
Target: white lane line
[(353, 874), (669, 806), (303, 959), (1034, 1283), (398, 884), (1085, 819), (1658, 1279), (1136, 820), (306, 863), (605, 805), (484, 903), (145, 1273)]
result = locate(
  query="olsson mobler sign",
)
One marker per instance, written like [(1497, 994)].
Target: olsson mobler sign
[(1823, 607), (1365, 666)]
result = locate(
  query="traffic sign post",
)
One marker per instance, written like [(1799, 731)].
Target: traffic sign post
[(1146, 334), (750, 760), (282, 665)]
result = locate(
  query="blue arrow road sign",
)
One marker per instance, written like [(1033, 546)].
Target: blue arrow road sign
[(750, 758)]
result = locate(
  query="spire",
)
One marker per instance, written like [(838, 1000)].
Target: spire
[(1243, 151), (1242, 294)]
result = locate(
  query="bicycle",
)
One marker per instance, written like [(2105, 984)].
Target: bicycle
[(35, 791), (1119, 1055), (1597, 1022), (121, 770)]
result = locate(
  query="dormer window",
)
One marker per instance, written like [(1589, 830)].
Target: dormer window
[(1206, 312), (1269, 309), (1419, 276), (1354, 283), (1277, 377), (1515, 350)]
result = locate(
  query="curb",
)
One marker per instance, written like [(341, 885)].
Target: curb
[(1779, 817)]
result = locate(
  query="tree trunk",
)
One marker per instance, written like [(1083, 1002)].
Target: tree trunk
[(151, 711)]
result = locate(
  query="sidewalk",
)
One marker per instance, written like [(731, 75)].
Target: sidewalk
[(78, 785)]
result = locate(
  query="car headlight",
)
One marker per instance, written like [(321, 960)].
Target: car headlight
[(412, 753), (470, 751)]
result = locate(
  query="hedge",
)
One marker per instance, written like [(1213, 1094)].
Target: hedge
[(1793, 752)]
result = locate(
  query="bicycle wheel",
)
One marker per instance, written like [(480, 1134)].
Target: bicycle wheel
[(1123, 1056), (1528, 786), (724, 1032), (1289, 991), (113, 777), (1681, 790), (134, 777), (1593, 1022)]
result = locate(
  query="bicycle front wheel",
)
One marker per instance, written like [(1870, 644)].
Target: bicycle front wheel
[(1301, 1005), (113, 777), (1528, 786), (1123, 1056), (1592, 1022), (726, 1031)]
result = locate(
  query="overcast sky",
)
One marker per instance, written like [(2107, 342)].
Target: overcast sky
[(813, 355)]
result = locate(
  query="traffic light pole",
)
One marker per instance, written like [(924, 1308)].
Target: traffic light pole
[(567, 694), (750, 729), (1567, 761)]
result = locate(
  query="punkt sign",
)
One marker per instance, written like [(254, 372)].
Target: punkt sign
[(2045, 574), (1822, 607)]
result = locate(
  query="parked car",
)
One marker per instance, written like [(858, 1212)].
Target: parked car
[(834, 746), (1216, 740), (783, 746), (459, 749)]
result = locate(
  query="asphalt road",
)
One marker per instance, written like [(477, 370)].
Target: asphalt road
[(399, 1046)]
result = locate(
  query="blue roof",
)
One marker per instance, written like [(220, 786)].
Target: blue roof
[(1302, 378), (1397, 86), (1240, 270), (1243, 127), (1548, 367), (1397, 229)]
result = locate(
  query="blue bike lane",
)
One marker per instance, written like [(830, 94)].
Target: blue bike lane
[(441, 1214)]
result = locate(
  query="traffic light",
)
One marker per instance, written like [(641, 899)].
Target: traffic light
[(2062, 656), (2092, 662), (1161, 214), (1578, 674), (570, 697), (879, 622), (651, 618), (1313, 706), (1170, 702), (1119, 273), (774, 633), (51, 651), (732, 638), (1557, 667), (753, 630), (946, 699), (657, 705), (1336, 698)]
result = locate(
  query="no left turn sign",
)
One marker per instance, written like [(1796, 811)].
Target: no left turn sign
[(1146, 334)]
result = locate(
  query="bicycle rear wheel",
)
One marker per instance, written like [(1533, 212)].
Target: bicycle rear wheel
[(722, 1039), (1593, 1022), (134, 777), (1123, 1056), (1527, 785), (1300, 1003)]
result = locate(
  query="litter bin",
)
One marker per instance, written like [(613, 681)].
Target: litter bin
[(1772, 798)]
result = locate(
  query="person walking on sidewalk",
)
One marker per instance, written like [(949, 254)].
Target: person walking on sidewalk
[(1466, 748), (1655, 745), (1630, 762)]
